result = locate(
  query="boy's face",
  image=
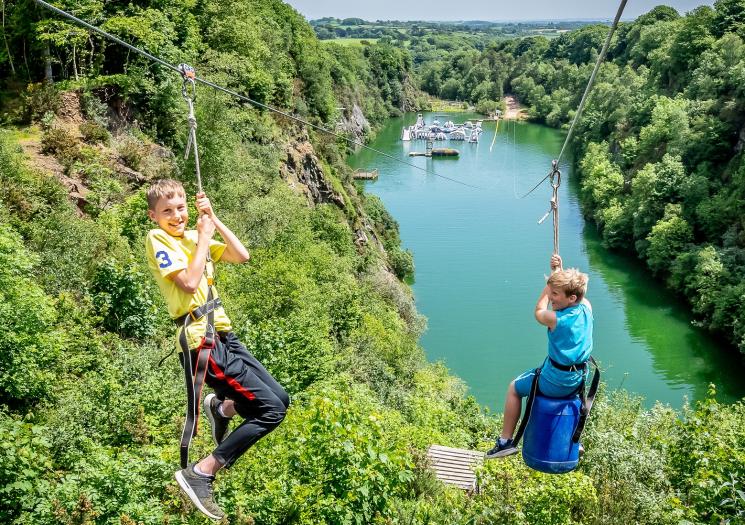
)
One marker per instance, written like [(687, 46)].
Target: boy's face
[(559, 299), (171, 215)]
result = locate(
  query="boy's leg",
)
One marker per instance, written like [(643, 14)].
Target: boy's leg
[(257, 397), (512, 408), (519, 388)]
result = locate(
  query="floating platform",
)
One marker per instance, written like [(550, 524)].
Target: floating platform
[(455, 466), (365, 175), (436, 152)]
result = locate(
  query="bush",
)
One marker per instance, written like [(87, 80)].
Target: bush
[(132, 152), (402, 262), (24, 462), (708, 461), (29, 343), (60, 143), (39, 99), (94, 133), (122, 300)]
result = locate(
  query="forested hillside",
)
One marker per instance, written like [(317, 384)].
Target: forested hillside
[(90, 421), (659, 147)]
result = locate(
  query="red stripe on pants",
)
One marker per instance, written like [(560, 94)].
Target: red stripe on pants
[(229, 380)]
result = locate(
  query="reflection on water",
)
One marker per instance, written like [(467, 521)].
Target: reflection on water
[(481, 260)]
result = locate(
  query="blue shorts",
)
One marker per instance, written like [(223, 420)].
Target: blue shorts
[(524, 381)]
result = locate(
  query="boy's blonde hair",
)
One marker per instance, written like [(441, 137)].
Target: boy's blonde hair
[(571, 281), (164, 188)]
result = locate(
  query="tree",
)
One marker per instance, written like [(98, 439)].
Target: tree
[(667, 239)]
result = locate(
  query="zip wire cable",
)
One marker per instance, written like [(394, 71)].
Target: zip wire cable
[(590, 83), (237, 95)]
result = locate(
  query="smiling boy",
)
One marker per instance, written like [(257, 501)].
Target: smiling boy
[(569, 329), (178, 260)]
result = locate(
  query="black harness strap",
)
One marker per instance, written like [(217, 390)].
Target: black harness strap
[(528, 407), (587, 400), (195, 374)]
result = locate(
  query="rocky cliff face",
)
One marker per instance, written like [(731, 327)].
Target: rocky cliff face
[(353, 121), (302, 170)]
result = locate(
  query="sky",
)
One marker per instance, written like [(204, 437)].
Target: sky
[(483, 9)]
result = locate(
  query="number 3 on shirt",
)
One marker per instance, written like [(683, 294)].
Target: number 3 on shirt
[(163, 260)]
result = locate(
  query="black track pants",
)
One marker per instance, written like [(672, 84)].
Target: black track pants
[(234, 373)]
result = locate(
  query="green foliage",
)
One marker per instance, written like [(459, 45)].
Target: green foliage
[(122, 300), (40, 99), (29, 341), (402, 262), (25, 459), (668, 238), (710, 471), (541, 498), (132, 152), (59, 142), (94, 133)]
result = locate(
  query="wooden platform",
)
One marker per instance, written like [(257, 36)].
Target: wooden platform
[(365, 175), (454, 466)]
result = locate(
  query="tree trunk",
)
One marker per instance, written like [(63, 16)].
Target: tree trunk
[(48, 65), (74, 62), (7, 47)]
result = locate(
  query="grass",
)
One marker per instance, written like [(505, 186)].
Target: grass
[(354, 42), (437, 104)]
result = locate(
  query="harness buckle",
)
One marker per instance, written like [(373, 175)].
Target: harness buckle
[(209, 340)]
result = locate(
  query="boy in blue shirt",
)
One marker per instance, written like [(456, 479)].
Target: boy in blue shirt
[(569, 329)]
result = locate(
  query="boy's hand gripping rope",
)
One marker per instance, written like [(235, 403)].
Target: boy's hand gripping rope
[(554, 178)]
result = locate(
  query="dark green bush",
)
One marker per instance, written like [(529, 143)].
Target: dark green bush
[(402, 262), (59, 142), (122, 300), (132, 152), (29, 341), (39, 99), (94, 133)]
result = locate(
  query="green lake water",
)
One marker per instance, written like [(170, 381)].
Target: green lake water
[(481, 259)]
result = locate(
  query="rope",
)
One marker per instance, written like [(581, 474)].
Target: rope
[(555, 179), (586, 94), (244, 98), (496, 130)]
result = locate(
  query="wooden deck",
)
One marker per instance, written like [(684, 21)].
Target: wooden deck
[(454, 466), (365, 175)]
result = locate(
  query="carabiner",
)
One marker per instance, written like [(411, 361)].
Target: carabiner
[(189, 86)]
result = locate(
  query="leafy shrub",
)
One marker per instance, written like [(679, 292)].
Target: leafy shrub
[(513, 493), (24, 463), (708, 461), (94, 133), (60, 143), (29, 343), (94, 109), (132, 152), (122, 300), (39, 99), (402, 262)]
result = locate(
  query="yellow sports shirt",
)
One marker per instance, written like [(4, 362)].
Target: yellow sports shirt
[(167, 255)]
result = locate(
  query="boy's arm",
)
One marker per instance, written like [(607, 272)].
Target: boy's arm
[(542, 314), (188, 280), (234, 252)]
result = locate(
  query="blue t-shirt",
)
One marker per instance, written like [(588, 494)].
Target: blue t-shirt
[(568, 344)]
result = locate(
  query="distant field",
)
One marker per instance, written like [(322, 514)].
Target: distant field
[(351, 41)]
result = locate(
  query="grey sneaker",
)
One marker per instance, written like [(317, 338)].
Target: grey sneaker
[(218, 423), (199, 490), (502, 448)]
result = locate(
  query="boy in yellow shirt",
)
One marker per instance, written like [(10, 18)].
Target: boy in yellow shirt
[(178, 259)]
